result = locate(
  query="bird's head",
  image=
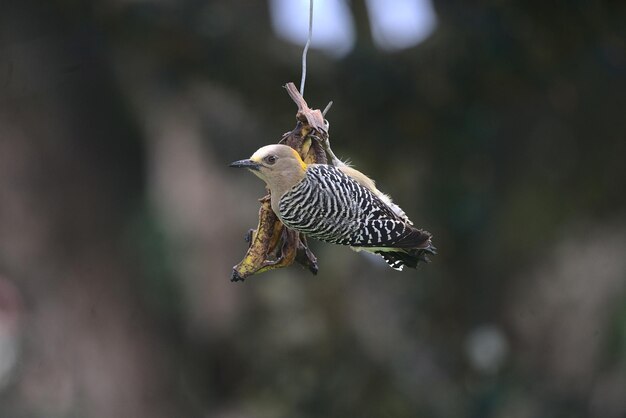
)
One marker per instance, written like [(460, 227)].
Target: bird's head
[(278, 165)]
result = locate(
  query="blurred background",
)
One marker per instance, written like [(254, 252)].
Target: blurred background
[(499, 126)]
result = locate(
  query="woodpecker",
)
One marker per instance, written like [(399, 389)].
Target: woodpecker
[(339, 205)]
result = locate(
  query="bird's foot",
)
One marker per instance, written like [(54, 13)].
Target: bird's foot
[(324, 141), (305, 257)]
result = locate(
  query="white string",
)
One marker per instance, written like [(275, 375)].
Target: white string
[(327, 108), (306, 48)]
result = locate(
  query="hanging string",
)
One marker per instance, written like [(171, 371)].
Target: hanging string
[(306, 48)]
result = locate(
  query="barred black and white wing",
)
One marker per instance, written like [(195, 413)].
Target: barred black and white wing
[(331, 206)]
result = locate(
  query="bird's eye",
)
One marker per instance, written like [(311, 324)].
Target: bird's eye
[(270, 159)]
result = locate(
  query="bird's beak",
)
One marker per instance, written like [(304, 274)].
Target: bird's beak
[(249, 164)]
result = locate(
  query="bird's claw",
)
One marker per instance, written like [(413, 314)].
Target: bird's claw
[(305, 257), (324, 141)]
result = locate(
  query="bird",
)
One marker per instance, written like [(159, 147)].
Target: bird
[(338, 205)]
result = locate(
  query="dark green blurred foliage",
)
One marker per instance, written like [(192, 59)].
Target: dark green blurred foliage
[(503, 134)]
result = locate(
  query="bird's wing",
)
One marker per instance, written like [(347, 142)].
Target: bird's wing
[(334, 207), (379, 224)]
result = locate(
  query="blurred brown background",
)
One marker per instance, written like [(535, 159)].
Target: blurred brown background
[(503, 133)]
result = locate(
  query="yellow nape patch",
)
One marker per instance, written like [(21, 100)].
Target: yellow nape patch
[(303, 165)]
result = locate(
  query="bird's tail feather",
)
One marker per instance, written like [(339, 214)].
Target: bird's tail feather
[(410, 258)]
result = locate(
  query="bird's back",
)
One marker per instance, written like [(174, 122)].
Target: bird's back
[(331, 206)]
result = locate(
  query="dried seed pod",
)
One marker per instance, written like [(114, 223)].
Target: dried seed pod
[(272, 245)]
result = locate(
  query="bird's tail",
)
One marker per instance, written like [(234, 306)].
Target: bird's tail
[(409, 257)]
